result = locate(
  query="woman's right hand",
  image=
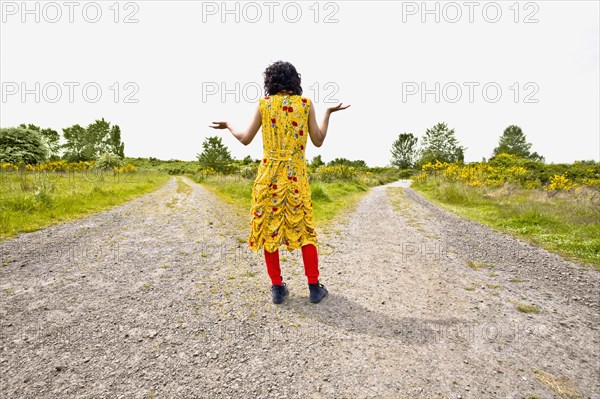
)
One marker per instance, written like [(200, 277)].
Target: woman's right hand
[(219, 125)]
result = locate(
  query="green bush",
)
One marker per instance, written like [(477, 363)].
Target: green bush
[(19, 145), (108, 160), (249, 171), (318, 193)]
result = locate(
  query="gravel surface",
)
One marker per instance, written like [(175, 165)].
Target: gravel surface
[(160, 298)]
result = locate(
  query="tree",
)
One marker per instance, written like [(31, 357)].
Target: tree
[(439, 144), (514, 142), (50, 138), (359, 163), (103, 138), (22, 145), (215, 155), (404, 151), (84, 144), (114, 143), (77, 146), (316, 162)]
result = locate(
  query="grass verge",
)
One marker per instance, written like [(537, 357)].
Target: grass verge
[(30, 202), (567, 224)]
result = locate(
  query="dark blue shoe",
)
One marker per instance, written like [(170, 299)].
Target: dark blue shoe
[(279, 292), (317, 292)]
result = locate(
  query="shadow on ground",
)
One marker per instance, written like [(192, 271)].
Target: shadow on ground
[(347, 317)]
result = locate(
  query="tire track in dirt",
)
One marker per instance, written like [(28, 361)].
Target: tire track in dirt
[(160, 297)]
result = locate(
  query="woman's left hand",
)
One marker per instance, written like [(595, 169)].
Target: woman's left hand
[(220, 125), (337, 108)]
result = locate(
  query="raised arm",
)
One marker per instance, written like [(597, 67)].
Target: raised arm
[(317, 134), (246, 136)]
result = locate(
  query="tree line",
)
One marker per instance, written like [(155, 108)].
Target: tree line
[(216, 156), (440, 144), (30, 144)]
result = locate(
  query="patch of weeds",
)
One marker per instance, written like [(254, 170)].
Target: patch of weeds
[(9, 291), (470, 288), (493, 286), (524, 308), (173, 202), (516, 280), (182, 187), (493, 274), (479, 265), (528, 308), (561, 385), (146, 286)]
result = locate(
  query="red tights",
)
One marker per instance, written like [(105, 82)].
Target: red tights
[(311, 264)]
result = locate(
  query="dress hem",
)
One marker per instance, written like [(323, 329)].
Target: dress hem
[(290, 248)]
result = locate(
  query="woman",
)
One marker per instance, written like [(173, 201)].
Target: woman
[(282, 211)]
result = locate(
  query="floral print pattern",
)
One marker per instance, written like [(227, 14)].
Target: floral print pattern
[(282, 210)]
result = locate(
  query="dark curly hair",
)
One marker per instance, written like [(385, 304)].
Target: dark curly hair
[(282, 75)]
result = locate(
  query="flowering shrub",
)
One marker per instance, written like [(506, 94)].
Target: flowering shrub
[(593, 183), (435, 167), (506, 168), (129, 168), (50, 166), (560, 183), (335, 172), (207, 171)]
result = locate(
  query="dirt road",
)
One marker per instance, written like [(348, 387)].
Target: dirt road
[(160, 298)]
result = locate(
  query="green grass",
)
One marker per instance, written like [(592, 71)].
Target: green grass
[(329, 199), (183, 188), (524, 308), (478, 265), (567, 224), (233, 190), (527, 308), (32, 201)]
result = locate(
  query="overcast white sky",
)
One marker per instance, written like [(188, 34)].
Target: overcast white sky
[(178, 57)]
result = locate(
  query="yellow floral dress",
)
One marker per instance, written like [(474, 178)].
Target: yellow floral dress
[(282, 211)]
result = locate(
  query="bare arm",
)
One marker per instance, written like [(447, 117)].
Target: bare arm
[(317, 134), (245, 137)]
